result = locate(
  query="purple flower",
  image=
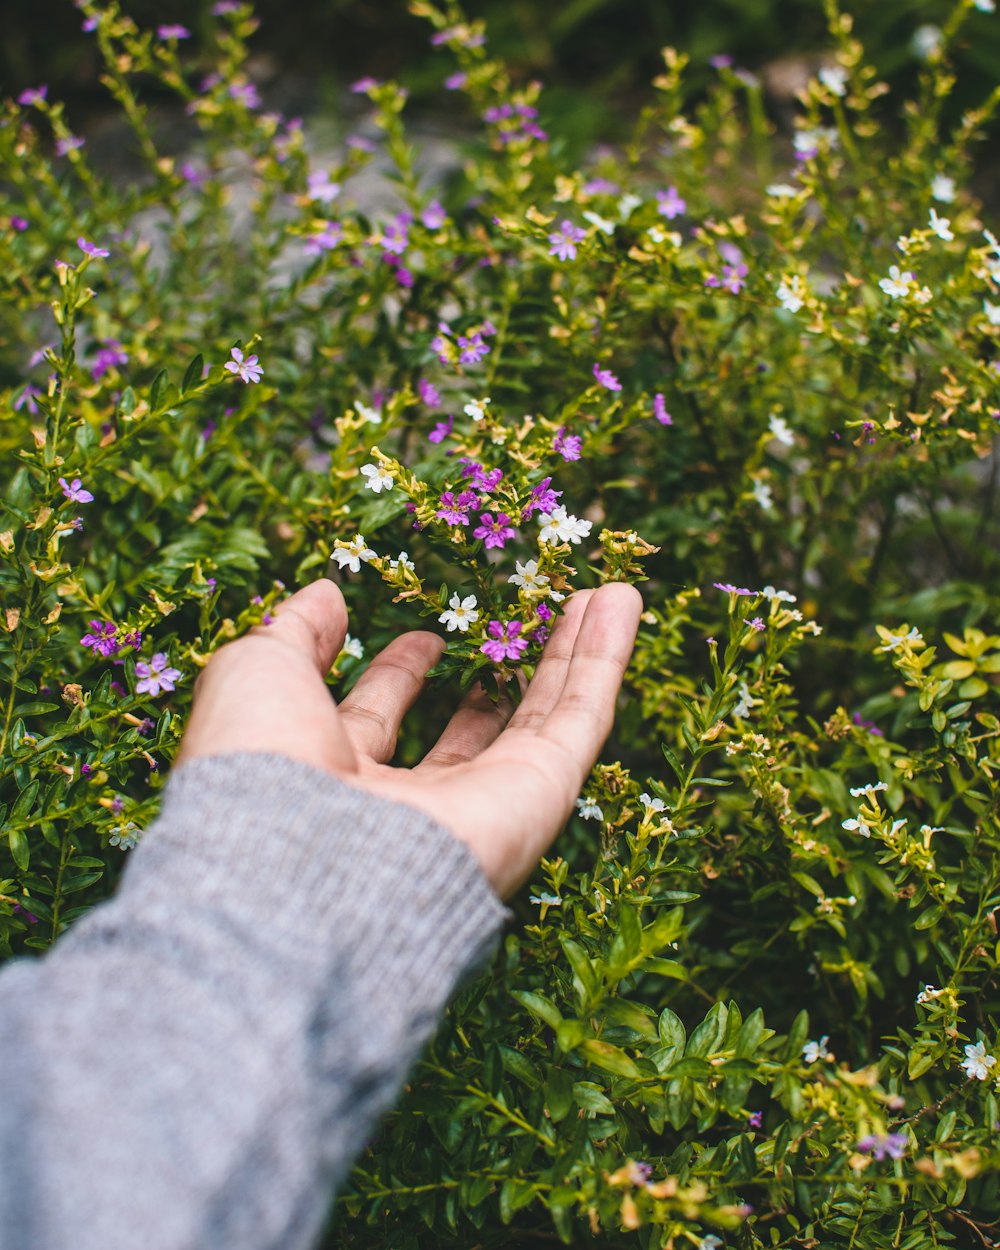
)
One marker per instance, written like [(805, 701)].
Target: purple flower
[(173, 31), (455, 82), (74, 490), (395, 237), (110, 356), (102, 639), (441, 430), (569, 446), (89, 24), (544, 612), (249, 370), (26, 399), (758, 624), (870, 725), (434, 216), (320, 186), (660, 410), (31, 919), (601, 186), (565, 239), (606, 378), (91, 249), (222, 7), (494, 533), (455, 508), (722, 61), (428, 393), (542, 499), (33, 95), (245, 93), (19, 223), (730, 589), (473, 349), (504, 643), (888, 1146), (69, 143), (756, 1119), (670, 203), (191, 174), (324, 240), (365, 85), (156, 676), (482, 479)]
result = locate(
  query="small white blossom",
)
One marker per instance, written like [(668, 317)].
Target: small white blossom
[(402, 561), (762, 494), (558, 526), (895, 641), (992, 312), (941, 226), (834, 78), (350, 555), (746, 702), (897, 285), (778, 596), (858, 826), (372, 415), (977, 1062), (868, 790), (790, 293), (459, 614), (550, 900), (599, 223), (781, 430), (528, 576), (985, 6), (807, 142), (782, 191), (125, 836), (377, 477), (352, 646), (588, 809), (943, 189), (709, 1242), (476, 408), (651, 804), (627, 206), (928, 994), (926, 41), (812, 1051)]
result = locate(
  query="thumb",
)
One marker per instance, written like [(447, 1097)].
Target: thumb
[(312, 621)]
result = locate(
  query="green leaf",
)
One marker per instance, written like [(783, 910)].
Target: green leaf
[(156, 390), (192, 374), (609, 1058), (520, 1066), (540, 1006), (582, 967), (592, 1098), (671, 1029), (707, 1036), (569, 1034), (558, 1094), (515, 1193), (19, 848)]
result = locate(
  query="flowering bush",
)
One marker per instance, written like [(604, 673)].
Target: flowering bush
[(752, 1001)]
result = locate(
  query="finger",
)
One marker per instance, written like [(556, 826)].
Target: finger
[(476, 724), (550, 676), (583, 714), (375, 708), (313, 621)]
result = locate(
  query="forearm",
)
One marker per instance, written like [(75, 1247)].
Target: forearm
[(199, 1060)]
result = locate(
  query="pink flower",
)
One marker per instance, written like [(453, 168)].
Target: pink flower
[(173, 31), (504, 643), (494, 533), (606, 378), (249, 370), (433, 216), (455, 508), (33, 95), (428, 393), (660, 410), (670, 203), (569, 446), (542, 499), (91, 249), (473, 349), (441, 430)]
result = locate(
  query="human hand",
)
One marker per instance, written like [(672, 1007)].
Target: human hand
[(503, 780)]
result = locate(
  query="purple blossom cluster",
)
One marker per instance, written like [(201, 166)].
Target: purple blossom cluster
[(504, 642), (103, 639), (515, 121)]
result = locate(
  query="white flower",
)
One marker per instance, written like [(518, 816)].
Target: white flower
[(352, 646), (926, 41), (941, 226), (812, 1051), (651, 804), (402, 561), (550, 900), (349, 555), (599, 223), (928, 994), (857, 826), (977, 1062), (895, 641), (125, 836), (656, 235), (790, 292), (992, 312), (476, 408), (778, 596), (762, 494), (746, 702), (782, 191), (834, 78), (869, 790), (781, 430), (588, 809), (709, 1242), (897, 285), (459, 614), (558, 526), (943, 189), (371, 415), (807, 142), (528, 576), (985, 6), (627, 206), (377, 477)]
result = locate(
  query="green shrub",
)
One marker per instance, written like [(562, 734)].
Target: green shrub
[(753, 1001)]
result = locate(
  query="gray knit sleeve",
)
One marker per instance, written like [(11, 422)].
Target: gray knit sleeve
[(198, 1061)]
